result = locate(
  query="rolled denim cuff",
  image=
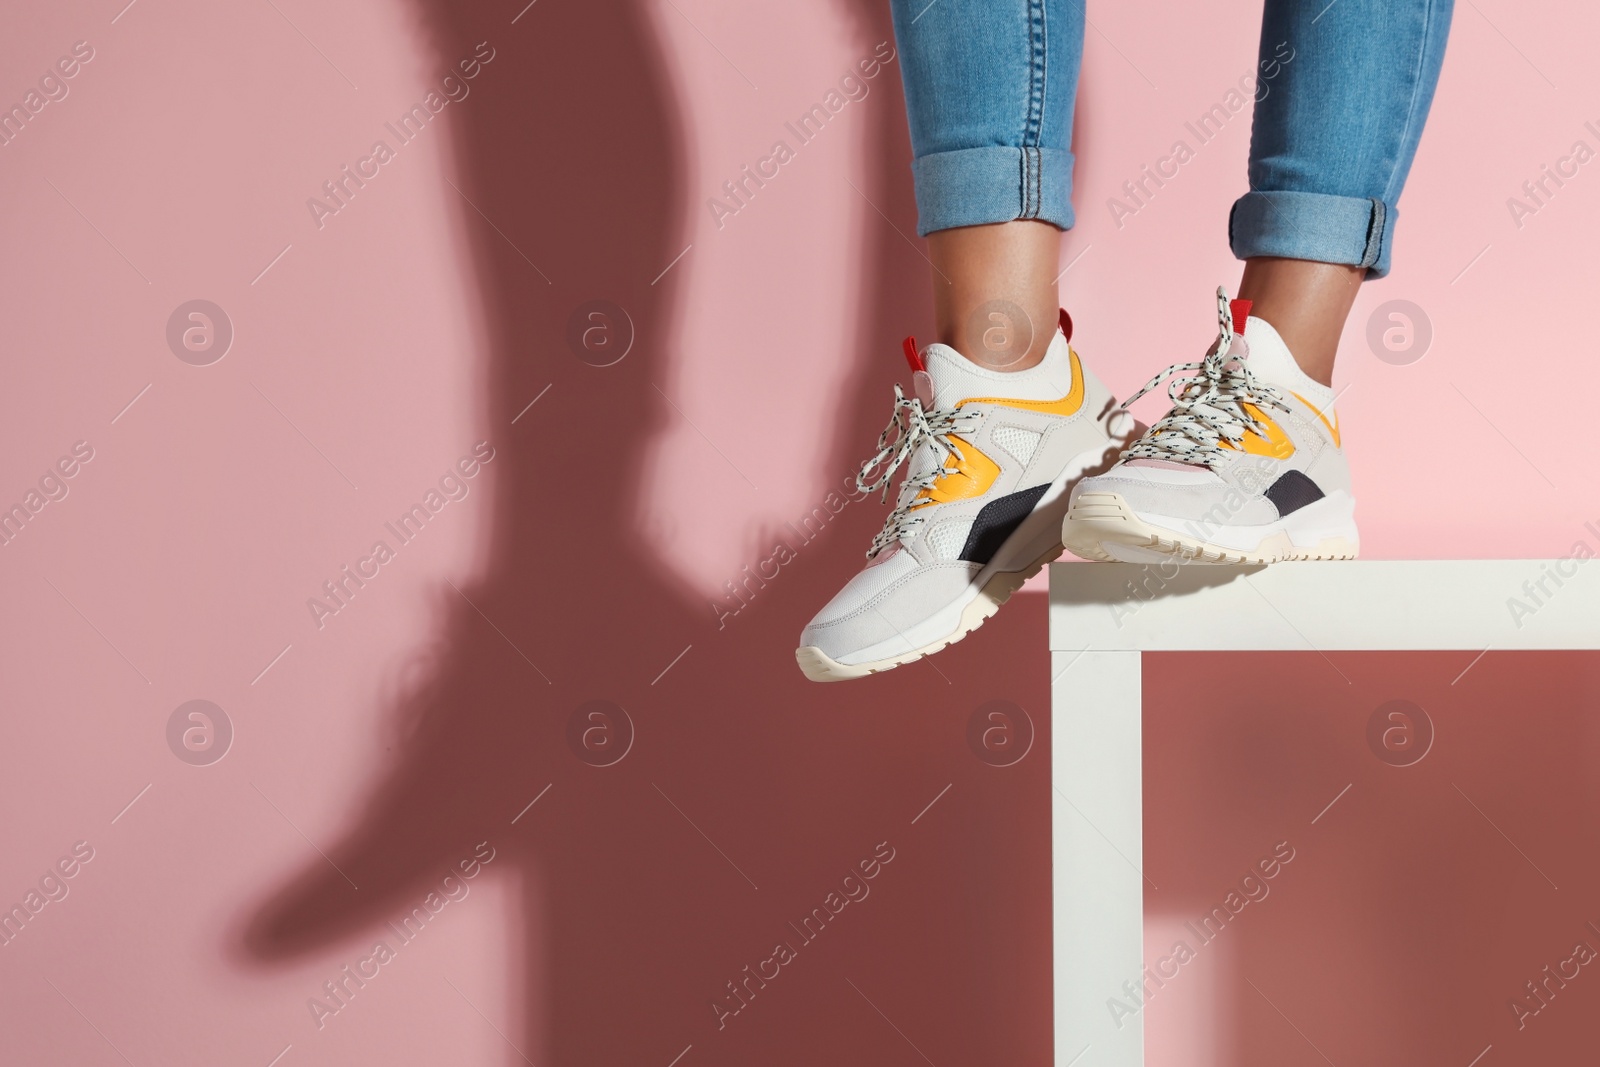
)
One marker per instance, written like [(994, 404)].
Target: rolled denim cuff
[(973, 186), (1353, 230)]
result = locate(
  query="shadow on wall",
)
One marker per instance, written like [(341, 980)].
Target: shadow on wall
[(634, 924)]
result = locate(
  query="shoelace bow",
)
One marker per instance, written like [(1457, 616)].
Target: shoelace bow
[(1207, 405), (909, 427)]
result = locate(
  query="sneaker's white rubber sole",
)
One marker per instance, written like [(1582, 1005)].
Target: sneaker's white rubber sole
[(1102, 526)]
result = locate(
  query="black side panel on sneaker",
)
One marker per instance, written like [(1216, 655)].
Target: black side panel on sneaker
[(1293, 491), (997, 521)]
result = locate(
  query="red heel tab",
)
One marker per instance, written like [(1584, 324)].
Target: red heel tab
[(912, 357), (1066, 324), (1240, 310)]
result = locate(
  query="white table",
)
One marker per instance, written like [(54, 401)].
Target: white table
[(1104, 617)]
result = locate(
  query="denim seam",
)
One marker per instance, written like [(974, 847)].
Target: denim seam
[(1032, 165), (1036, 61), (1025, 181)]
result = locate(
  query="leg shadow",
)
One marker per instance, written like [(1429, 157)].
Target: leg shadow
[(744, 791)]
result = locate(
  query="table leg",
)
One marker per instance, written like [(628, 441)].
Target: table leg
[(1097, 839)]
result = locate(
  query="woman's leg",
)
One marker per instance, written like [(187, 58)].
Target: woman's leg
[(989, 94), (994, 286), (1250, 468), (1003, 418), (1342, 94)]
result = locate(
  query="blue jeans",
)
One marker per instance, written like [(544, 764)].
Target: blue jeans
[(1341, 93)]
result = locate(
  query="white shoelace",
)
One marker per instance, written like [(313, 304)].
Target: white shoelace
[(1207, 404), (909, 427)]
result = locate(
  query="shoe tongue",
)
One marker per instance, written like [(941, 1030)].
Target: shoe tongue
[(946, 381), (1258, 345)]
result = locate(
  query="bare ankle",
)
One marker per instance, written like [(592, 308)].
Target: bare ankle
[(994, 291)]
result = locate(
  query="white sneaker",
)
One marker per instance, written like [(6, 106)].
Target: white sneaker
[(1245, 468), (992, 457)]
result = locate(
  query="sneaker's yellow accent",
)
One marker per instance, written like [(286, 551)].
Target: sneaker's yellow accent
[(1273, 443), (1067, 405), (968, 478)]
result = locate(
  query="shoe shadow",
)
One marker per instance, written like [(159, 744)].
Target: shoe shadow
[(631, 921), (1115, 585)]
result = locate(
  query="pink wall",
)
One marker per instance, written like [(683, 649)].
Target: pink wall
[(372, 352)]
